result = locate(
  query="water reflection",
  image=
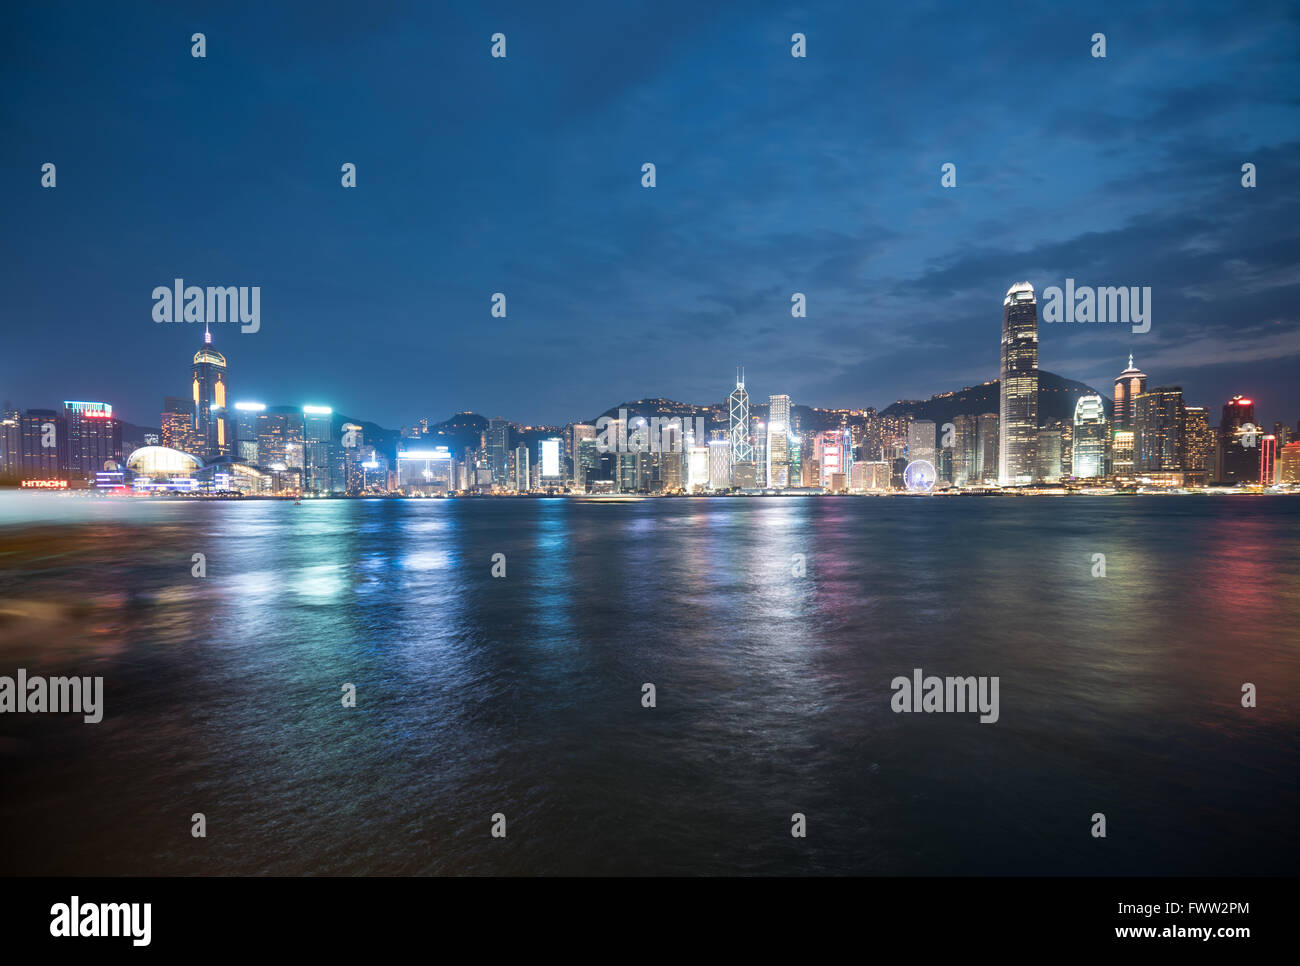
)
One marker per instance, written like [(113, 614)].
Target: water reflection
[(523, 693)]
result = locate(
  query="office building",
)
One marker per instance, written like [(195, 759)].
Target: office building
[(719, 464), (1239, 442), (208, 391), (1158, 430), (1129, 384), (778, 441), (1088, 457), (1018, 402), (987, 440), (94, 438)]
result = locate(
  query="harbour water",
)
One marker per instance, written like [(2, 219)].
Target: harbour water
[(522, 694)]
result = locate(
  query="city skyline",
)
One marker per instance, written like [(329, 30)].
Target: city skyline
[(213, 442), (382, 294), (256, 397)]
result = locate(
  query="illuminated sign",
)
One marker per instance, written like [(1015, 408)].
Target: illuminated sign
[(96, 414), (45, 484), (317, 410), (88, 408), (550, 458), (250, 407)]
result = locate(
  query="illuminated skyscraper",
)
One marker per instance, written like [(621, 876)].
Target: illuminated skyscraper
[(778, 441), (549, 461), (522, 470), (719, 464), (245, 429), (964, 463), (1158, 430), (1049, 451), (1018, 416), (1198, 443), (587, 462), (697, 469), (317, 449), (1239, 442), (496, 441), (921, 441), (738, 409), (1268, 460), (581, 432), (832, 451), (1288, 463), (208, 390), (94, 437), (1129, 384), (1091, 435), (178, 425), (44, 445), (11, 443), (987, 440)]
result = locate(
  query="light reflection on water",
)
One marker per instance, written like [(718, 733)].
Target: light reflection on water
[(522, 694)]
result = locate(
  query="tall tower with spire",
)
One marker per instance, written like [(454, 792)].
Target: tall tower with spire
[(208, 390), (738, 406), (1129, 384), (1018, 403)]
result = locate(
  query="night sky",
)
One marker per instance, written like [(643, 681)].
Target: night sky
[(775, 175)]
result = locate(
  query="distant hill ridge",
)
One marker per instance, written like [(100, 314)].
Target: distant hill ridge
[(1057, 397), (1056, 400)]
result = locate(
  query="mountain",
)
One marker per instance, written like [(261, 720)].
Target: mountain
[(1056, 400)]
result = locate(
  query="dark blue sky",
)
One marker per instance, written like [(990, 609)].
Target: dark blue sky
[(522, 175)]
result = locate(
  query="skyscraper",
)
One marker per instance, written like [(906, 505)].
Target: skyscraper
[(921, 441), (987, 440), (208, 390), (1091, 435), (719, 464), (522, 470), (94, 437), (550, 461), (11, 443), (1268, 460), (586, 464), (177, 425), (496, 440), (1158, 430), (585, 458), (245, 427), (1018, 415), (1049, 451), (778, 441), (1129, 384), (833, 454), (1239, 442), (44, 445), (1288, 463), (1198, 444), (738, 409), (964, 464), (317, 449)]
